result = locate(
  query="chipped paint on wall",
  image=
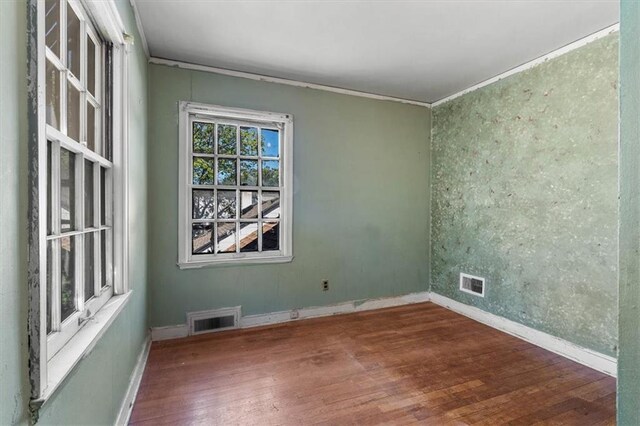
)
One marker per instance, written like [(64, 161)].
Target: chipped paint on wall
[(524, 193)]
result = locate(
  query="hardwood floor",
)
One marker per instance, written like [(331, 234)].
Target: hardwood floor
[(412, 364)]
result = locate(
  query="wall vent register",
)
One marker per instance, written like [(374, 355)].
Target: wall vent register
[(472, 284), (213, 320)]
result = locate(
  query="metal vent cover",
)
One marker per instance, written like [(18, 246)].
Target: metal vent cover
[(213, 320), (472, 284)]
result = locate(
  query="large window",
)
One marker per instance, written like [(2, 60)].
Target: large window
[(77, 243), (79, 168), (235, 191)]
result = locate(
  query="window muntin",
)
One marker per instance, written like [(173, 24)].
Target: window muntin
[(230, 172), (236, 189), (79, 240)]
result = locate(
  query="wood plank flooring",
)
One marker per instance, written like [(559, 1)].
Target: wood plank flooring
[(416, 364)]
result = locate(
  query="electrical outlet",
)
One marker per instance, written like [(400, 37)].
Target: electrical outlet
[(294, 314), (325, 285)]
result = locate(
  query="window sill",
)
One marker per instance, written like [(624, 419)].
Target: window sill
[(234, 262), (59, 367)]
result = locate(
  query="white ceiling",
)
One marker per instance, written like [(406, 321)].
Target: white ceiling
[(420, 50)]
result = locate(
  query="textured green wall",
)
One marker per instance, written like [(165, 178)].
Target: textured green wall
[(95, 389), (629, 302), (360, 198), (524, 187)]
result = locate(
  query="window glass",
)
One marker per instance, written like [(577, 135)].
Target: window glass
[(73, 42), (236, 186), (89, 262), (67, 190), (88, 194), (68, 284), (227, 139), (52, 25), (52, 101), (73, 112), (249, 141), (203, 138), (270, 142)]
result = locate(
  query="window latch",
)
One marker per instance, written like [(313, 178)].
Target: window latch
[(88, 316)]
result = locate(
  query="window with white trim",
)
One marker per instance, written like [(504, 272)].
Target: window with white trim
[(78, 201), (79, 168), (235, 186)]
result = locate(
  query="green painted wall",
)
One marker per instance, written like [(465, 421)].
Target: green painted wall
[(524, 187), (360, 178), (14, 383), (629, 266), (101, 380)]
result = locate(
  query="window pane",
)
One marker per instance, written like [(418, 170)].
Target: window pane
[(103, 196), (50, 261), (89, 265), (91, 66), (203, 171), (248, 237), (73, 112), (88, 194), (202, 238), (91, 127), (226, 237), (105, 258), (203, 138), (203, 204), (270, 204), (227, 172), (249, 172), (226, 204), (271, 173), (270, 236), (73, 42), (249, 141), (49, 187), (52, 84), (227, 139), (249, 204), (270, 142), (67, 285), (52, 25), (67, 190)]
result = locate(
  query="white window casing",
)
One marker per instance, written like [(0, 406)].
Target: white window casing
[(52, 355), (242, 241)]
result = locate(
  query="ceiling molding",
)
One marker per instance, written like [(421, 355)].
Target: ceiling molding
[(528, 65), (136, 14), (295, 83)]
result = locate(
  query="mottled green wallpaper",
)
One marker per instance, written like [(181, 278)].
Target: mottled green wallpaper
[(524, 193)]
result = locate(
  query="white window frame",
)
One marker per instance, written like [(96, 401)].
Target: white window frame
[(52, 357), (190, 111)]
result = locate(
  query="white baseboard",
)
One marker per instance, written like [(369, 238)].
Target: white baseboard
[(177, 331), (596, 360), (134, 384), (169, 332)]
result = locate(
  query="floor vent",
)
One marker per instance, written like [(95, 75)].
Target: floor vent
[(215, 320), (471, 284)]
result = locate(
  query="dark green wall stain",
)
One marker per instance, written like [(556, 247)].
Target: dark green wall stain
[(524, 192)]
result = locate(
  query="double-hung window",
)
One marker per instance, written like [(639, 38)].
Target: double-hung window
[(235, 186), (77, 250)]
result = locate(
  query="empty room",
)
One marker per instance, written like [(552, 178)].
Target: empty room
[(339, 212)]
